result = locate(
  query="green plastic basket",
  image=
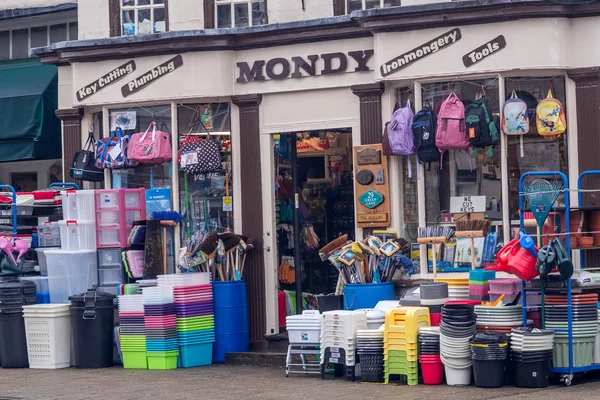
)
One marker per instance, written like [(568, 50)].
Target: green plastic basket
[(163, 360), (135, 359)]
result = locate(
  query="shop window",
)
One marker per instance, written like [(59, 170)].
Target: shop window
[(357, 5), (20, 44), (142, 17), (5, 45), (239, 13), (17, 44), (533, 152), (205, 199), (134, 120), (58, 33)]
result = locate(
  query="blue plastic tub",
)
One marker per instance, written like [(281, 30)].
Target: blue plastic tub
[(232, 332), (42, 298), (367, 295), (195, 355)]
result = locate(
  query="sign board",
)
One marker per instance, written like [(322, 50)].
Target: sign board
[(105, 80), (467, 204), (484, 51), (152, 76), (372, 195), (227, 203)]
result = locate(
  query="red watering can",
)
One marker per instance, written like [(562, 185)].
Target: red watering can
[(516, 260)]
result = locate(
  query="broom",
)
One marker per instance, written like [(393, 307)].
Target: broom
[(472, 228), (434, 235), (168, 219)]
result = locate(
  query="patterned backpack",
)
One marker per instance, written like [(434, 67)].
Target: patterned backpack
[(515, 117), (550, 116), (199, 156)]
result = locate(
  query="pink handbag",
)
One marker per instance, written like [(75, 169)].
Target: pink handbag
[(150, 148)]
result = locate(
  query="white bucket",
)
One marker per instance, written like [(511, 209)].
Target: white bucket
[(457, 376)]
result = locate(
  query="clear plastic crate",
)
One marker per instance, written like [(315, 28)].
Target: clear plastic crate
[(42, 261), (70, 272), (109, 238), (49, 235), (107, 198), (77, 235), (109, 258), (78, 204), (132, 199), (107, 219), (110, 276)]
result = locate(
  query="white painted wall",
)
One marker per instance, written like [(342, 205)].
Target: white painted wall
[(12, 4), (93, 19), (41, 167), (65, 87), (288, 10), (186, 15)]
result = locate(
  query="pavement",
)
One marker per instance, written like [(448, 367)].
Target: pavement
[(224, 382)]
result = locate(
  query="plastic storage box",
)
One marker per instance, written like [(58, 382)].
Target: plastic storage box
[(40, 281), (115, 212), (110, 258), (110, 276), (78, 204), (49, 235), (70, 272), (507, 285), (42, 261), (77, 235)]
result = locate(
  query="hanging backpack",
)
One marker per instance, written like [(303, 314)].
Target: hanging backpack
[(481, 128), (400, 133), (451, 132), (385, 139), (424, 127), (515, 117), (83, 166), (550, 116)]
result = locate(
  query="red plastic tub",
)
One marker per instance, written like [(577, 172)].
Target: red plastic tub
[(435, 319), (464, 302), (433, 372)]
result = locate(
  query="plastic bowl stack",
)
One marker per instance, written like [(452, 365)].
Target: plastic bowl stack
[(370, 354), (193, 297), (433, 296), (456, 330), (584, 315), (531, 355), (160, 320), (132, 331), (499, 319), (596, 358), (489, 352), (338, 338), (375, 318), (432, 368), (458, 288), (400, 342)]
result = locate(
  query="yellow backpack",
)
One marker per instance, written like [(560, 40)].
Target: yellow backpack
[(550, 116)]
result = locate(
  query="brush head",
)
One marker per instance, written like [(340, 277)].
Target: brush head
[(209, 245), (230, 240), (332, 246), (167, 216)]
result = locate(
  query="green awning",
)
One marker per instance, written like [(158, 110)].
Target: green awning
[(29, 128)]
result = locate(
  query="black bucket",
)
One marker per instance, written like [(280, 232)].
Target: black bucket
[(92, 319), (14, 294), (532, 374), (489, 374)]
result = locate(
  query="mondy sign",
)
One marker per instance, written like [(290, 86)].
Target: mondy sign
[(282, 68)]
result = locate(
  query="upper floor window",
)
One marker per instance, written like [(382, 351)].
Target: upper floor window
[(239, 13), (17, 43), (142, 17), (357, 5)]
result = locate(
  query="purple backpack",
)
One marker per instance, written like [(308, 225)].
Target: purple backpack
[(399, 131), (451, 130)]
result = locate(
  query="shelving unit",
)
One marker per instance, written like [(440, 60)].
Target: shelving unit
[(567, 373)]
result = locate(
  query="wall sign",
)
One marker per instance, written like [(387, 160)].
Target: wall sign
[(371, 198), (368, 156), (467, 204), (414, 55), (151, 76), (105, 80), (372, 195), (282, 68), (484, 51)]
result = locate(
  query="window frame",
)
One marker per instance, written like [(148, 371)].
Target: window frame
[(231, 4), (136, 8), (364, 5), (68, 23)]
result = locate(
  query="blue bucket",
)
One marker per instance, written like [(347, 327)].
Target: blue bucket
[(232, 329), (367, 295)]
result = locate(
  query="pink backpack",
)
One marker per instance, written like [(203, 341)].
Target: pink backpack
[(152, 148), (451, 131)]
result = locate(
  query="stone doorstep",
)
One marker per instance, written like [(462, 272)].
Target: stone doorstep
[(272, 359)]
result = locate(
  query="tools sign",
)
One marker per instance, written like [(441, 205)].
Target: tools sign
[(371, 188)]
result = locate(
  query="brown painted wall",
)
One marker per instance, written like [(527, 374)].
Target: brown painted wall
[(370, 111), (252, 216), (71, 128)]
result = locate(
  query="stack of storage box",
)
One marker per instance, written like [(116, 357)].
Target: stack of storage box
[(479, 285), (115, 212), (73, 268), (509, 287)]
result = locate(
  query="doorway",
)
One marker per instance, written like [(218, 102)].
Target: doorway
[(313, 174)]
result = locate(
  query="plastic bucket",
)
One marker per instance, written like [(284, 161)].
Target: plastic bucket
[(232, 333), (457, 376), (532, 375), (92, 323), (433, 372), (13, 341), (489, 374), (367, 295)]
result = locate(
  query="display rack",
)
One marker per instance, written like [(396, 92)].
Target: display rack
[(13, 207), (567, 373)]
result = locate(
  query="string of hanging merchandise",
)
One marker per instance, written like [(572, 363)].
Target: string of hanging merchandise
[(444, 85)]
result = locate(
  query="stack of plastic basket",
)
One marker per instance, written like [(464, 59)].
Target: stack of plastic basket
[(48, 333), (193, 297), (162, 348), (338, 339), (400, 342), (479, 285), (132, 331), (370, 354)]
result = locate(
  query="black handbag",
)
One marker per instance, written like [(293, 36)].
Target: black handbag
[(84, 166), (199, 156)]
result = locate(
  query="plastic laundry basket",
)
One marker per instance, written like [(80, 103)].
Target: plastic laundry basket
[(48, 330)]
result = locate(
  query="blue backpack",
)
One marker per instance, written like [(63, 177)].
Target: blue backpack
[(424, 129)]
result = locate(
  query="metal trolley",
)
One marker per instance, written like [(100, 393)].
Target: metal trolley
[(567, 373)]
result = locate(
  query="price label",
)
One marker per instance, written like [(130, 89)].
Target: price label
[(227, 203), (335, 355), (334, 360)]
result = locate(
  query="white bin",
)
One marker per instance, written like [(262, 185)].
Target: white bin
[(78, 204), (70, 272), (77, 235), (48, 334)]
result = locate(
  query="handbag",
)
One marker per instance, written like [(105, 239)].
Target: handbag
[(83, 166), (150, 149), (199, 156), (112, 152)]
